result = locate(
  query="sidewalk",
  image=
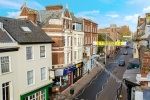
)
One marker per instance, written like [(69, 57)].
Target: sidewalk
[(81, 83)]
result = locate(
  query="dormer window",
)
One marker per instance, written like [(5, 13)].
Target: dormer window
[(1, 25), (26, 29)]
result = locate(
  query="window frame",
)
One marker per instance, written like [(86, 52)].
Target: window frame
[(40, 51), (33, 77), (9, 84), (32, 53), (45, 73), (10, 69)]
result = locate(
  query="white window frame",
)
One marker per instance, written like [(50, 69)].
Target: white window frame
[(5, 89), (45, 51), (45, 73), (10, 70), (33, 77), (32, 53), (68, 57), (75, 55)]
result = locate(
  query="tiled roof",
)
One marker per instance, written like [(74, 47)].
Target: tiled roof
[(13, 27), (4, 37)]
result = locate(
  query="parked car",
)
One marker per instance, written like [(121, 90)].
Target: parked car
[(125, 53), (121, 63)]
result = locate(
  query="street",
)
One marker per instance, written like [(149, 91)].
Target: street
[(104, 87)]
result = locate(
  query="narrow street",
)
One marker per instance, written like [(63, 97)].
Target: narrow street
[(104, 84)]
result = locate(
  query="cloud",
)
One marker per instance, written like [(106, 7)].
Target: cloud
[(132, 18), (13, 14), (112, 15), (146, 10), (10, 4), (136, 1), (88, 12), (18, 3)]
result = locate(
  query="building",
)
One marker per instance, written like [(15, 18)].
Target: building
[(25, 60), (56, 21), (77, 47), (112, 31), (90, 35)]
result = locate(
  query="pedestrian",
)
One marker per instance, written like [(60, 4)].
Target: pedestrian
[(88, 71)]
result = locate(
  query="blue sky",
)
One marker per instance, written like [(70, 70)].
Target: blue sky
[(103, 12)]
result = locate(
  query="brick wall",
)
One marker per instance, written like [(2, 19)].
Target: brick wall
[(58, 58), (55, 7)]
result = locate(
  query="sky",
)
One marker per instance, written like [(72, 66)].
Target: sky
[(103, 12)]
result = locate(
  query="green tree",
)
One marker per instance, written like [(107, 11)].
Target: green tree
[(100, 48)]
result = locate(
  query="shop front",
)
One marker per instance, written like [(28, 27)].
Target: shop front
[(77, 73), (38, 94), (63, 77)]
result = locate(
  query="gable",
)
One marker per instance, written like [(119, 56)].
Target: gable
[(67, 14)]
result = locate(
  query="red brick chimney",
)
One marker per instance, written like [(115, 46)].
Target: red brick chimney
[(54, 7), (32, 16)]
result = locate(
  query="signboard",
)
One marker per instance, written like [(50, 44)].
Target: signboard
[(51, 74), (148, 20), (68, 70), (103, 43)]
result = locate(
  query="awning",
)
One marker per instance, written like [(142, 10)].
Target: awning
[(130, 75), (65, 71)]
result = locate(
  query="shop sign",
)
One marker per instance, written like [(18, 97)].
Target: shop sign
[(78, 65), (68, 70)]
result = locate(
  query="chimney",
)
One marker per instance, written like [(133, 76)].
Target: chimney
[(67, 6), (54, 7), (32, 16)]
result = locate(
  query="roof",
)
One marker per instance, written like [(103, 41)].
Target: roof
[(130, 75), (4, 36), (14, 28), (76, 20), (104, 37)]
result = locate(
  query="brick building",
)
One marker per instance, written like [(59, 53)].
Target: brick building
[(56, 21), (90, 35)]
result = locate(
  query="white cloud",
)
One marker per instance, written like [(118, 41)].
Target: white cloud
[(13, 14), (136, 1), (88, 12), (132, 18), (146, 10), (10, 4), (18, 3), (112, 15)]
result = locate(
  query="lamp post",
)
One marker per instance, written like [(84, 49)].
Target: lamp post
[(105, 47)]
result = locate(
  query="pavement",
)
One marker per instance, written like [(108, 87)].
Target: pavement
[(82, 83)]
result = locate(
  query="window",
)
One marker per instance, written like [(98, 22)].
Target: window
[(75, 41), (29, 53), (6, 91), (69, 24), (26, 29), (73, 27), (30, 77), (42, 51), (36, 96), (43, 73), (5, 64), (64, 24), (68, 58), (75, 55)]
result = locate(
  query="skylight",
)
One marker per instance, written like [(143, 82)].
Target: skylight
[(26, 29)]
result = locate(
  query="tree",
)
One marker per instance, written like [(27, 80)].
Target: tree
[(100, 48), (124, 31)]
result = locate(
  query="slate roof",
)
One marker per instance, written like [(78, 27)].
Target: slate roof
[(75, 19), (13, 27), (4, 37)]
